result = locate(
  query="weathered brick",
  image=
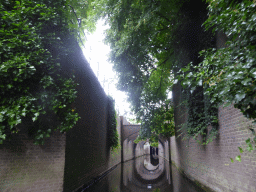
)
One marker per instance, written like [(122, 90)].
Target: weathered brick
[(233, 131)]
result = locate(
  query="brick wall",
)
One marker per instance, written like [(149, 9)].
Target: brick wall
[(27, 167), (211, 165), (130, 131), (68, 161), (87, 152)]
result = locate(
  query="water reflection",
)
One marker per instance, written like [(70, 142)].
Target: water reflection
[(142, 174)]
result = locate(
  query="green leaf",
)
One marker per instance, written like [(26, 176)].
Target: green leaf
[(240, 96), (3, 136), (227, 104), (175, 81), (9, 86), (248, 141), (250, 147), (240, 149), (185, 69), (246, 81), (238, 158), (232, 161)]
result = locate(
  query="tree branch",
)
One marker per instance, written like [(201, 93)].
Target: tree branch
[(161, 63)]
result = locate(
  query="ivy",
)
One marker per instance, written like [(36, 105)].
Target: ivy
[(228, 74), (31, 87), (201, 114), (113, 138)]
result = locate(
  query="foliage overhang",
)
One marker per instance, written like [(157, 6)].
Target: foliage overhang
[(31, 86), (148, 43)]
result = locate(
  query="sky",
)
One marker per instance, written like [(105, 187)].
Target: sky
[(96, 53)]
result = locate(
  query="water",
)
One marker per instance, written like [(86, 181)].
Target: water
[(145, 174)]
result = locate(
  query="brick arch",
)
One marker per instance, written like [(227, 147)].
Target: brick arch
[(130, 131)]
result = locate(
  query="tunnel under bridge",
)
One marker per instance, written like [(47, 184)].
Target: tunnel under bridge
[(131, 150)]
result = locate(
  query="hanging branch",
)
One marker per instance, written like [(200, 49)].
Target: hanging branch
[(78, 23)]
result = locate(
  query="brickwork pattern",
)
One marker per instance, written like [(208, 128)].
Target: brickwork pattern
[(131, 131), (67, 161), (211, 165), (87, 152), (26, 167)]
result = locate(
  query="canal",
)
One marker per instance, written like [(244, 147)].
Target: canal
[(144, 174)]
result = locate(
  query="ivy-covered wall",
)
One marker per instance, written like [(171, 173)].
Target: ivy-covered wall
[(210, 164), (67, 161), (87, 151)]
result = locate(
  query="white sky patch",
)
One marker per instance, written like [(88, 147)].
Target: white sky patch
[(96, 52)]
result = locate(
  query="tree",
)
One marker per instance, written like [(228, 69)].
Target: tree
[(142, 39), (228, 74), (31, 87)]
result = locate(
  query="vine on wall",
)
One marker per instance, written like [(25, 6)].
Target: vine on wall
[(113, 138), (31, 85), (197, 111), (228, 74)]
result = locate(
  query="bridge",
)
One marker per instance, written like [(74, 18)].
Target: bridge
[(130, 150)]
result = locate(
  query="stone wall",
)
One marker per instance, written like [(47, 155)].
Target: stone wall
[(129, 134), (130, 131), (146, 149), (139, 150), (128, 150)]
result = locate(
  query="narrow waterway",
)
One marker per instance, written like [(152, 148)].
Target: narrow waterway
[(147, 174)]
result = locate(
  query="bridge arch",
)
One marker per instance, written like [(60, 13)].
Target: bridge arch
[(131, 150)]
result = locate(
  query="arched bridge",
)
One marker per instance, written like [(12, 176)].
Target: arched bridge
[(130, 150)]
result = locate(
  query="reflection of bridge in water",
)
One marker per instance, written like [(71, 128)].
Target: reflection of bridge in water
[(149, 163), (137, 176), (134, 176), (143, 168), (130, 150)]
